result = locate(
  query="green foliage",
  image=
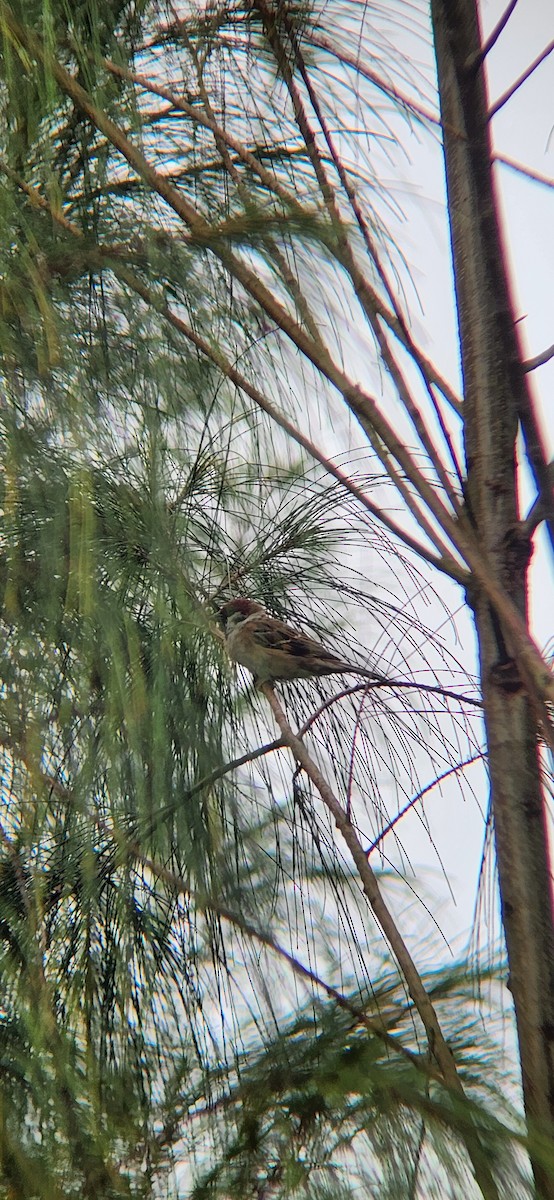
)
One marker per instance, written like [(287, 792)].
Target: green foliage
[(155, 1038)]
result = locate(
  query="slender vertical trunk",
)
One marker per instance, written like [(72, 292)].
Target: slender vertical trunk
[(494, 385)]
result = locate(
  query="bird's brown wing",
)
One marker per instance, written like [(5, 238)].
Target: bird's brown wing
[(276, 635)]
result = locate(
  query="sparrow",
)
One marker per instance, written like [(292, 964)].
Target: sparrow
[(273, 650)]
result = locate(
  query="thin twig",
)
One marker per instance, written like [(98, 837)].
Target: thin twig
[(419, 796), (539, 360), (495, 34), (507, 95), (438, 1046)]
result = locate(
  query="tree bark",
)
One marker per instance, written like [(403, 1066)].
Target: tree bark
[(494, 395)]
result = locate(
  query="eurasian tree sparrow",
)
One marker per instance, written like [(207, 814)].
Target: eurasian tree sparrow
[(272, 650)]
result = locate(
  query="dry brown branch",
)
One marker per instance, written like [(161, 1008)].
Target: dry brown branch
[(438, 1047)]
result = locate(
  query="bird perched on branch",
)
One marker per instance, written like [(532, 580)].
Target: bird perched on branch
[(273, 650)]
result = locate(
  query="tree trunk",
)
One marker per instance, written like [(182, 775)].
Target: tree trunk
[(494, 395)]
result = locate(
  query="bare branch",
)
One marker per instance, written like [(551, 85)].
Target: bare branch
[(507, 95), (438, 1047), (495, 34), (538, 511), (437, 1044), (419, 796), (536, 176), (540, 359)]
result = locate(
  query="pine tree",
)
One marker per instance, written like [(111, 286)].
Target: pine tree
[(210, 984)]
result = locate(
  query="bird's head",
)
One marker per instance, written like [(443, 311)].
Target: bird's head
[(235, 611)]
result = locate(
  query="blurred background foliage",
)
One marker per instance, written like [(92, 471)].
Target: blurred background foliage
[(193, 1002)]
